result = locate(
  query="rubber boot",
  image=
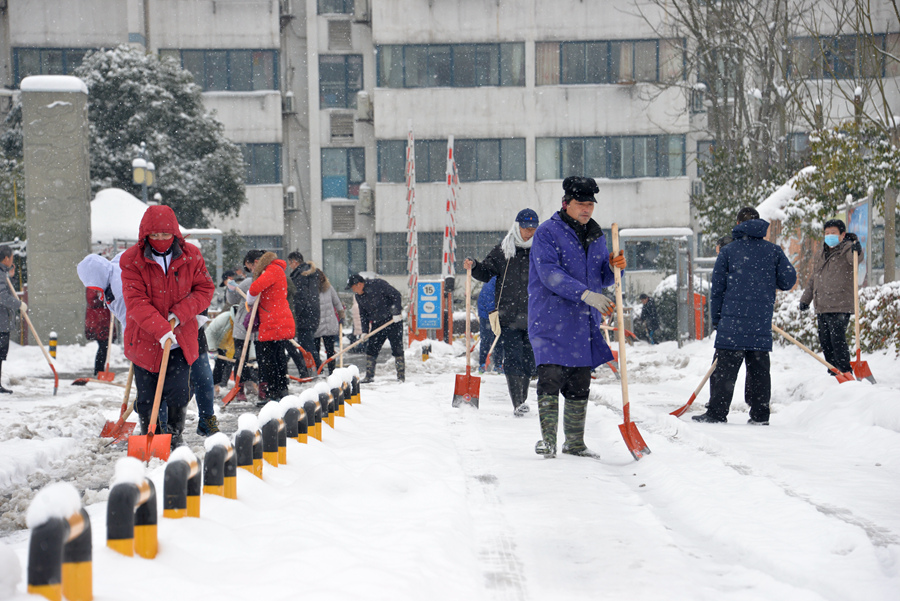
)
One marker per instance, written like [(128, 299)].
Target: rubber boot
[(517, 394), (574, 417), (401, 368), (144, 419), (548, 410), (370, 369), (177, 416)]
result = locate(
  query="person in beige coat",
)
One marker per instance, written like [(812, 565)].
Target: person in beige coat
[(830, 289)]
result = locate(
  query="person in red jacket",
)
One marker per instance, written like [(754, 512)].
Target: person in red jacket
[(96, 326), (163, 278), (276, 324)]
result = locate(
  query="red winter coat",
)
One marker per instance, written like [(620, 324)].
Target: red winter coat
[(276, 322), (96, 316), (150, 295)]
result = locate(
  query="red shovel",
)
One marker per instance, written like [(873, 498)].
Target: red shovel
[(120, 430), (149, 445), (633, 439), (680, 411), (860, 368), (467, 386), (840, 377)]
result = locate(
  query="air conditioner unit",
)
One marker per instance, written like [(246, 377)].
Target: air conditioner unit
[(361, 11), (366, 205), (287, 103), (290, 198), (342, 127), (364, 109)]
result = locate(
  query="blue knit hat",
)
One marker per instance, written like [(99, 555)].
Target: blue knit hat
[(527, 218)]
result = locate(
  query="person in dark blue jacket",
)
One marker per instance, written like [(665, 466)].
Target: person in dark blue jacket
[(486, 304), (380, 303), (742, 299), (570, 265)]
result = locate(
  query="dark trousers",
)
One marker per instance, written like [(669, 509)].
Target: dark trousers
[(176, 389), (100, 357), (307, 340), (248, 373), (273, 360), (4, 345), (833, 338), (202, 379), (573, 382), (757, 386), (328, 342), (222, 368), (518, 356), (394, 334), (487, 339)]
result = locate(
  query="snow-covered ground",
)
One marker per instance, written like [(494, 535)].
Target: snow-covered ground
[(410, 499)]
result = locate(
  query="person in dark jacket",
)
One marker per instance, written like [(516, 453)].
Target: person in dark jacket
[(487, 301), (306, 301), (742, 299), (570, 266), (830, 289), (379, 303), (9, 304), (649, 317), (163, 279), (509, 263)]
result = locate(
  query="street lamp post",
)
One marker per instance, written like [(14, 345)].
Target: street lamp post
[(143, 171)]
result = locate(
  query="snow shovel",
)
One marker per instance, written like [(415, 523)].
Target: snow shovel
[(108, 376), (247, 341), (860, 368), (145, 446), (38, 340), (633, 439), (350, 346), (84, 381), (467, 386), (308, 359), (680, 411), (841, 377), (120, 430)]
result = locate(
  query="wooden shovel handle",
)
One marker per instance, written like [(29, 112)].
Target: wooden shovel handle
[(805, 348), (31, 328), (856, 297), (160, 383), (620, 330), (247, 341), (362, 339), (468, 312), (123, 415)]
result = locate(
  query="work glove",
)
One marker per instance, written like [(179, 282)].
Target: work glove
[(175, 317), (804, 307), (494, 318), (230, 284), (168, 336), (855, 240), (23, 308), (250, 300), (397, 318), (598, 301), (617, 260)]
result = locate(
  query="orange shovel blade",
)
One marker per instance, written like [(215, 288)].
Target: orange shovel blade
[(633, 440), (145, 446), (466, 391), (861, 369), (106, 376), (118, 430)]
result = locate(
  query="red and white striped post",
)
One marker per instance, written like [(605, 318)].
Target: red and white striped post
[(412, 239), (448, 269)]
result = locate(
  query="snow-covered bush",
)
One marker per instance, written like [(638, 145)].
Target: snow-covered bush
[(799, 324), (879, 318)]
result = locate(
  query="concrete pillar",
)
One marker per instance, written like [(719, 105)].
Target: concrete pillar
[(58, 194)]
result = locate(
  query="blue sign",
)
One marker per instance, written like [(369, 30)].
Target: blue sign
[(428, 306), (858, 223)]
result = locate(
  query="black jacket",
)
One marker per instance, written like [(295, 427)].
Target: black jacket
[(511, 292), (378, 303), (306, 296), (649, 315)]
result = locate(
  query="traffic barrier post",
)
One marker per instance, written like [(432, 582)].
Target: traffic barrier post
[(131, 512), (182, 485)]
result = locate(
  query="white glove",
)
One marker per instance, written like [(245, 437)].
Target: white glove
[(598, 301), (175, 317), (23, 308), (250, 300), (168, 336), (494, 318), (397, 318), (230, 284)]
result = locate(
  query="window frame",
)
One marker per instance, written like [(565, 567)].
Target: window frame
[(348, 91), (430, 73), (348, 166), (67, 67), (252, 169), (819, 58), (611, 72), (430, 170), (205, 53), (620, 156)]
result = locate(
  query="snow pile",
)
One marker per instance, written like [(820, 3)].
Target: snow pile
[(773, 207)]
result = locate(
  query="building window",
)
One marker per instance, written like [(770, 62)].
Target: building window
[(613, 157), (273, 244), (391, 250), (603, 62), (343, 170), (641, 255), (339, 7), (46, 61), (262, 163), (838, 57), (340, 78), (229, 70), (451, 65), (391, 256), (343, 258), (476, 160)]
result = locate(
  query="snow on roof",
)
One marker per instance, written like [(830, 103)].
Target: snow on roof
[(57, 500), (655, 232), (772, 208), (53, 83), (115, 214)]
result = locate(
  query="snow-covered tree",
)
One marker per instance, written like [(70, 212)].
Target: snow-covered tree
[(135, 97)]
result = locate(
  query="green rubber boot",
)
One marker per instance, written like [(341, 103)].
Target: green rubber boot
[(574, 416), (370, 369), (548, 410)]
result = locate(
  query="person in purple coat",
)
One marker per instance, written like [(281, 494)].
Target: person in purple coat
[(570, 266)]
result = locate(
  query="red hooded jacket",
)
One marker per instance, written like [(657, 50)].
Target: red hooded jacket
[(276, 322), (96, 316), (150, 295)]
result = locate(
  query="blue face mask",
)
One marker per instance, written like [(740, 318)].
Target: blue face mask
[(832, 240)]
